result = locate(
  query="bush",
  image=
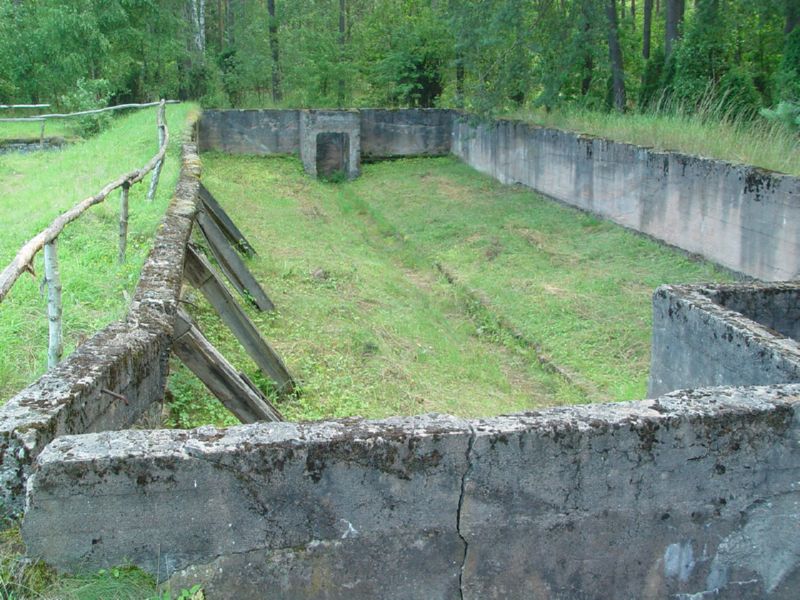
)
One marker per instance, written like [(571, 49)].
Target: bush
[(738, 94), (652, 83), (786, 113), (88, 94)]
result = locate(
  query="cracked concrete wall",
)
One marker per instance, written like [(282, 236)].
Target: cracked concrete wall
[(741, 217), (692, 495), (128, 357), (701, 338)]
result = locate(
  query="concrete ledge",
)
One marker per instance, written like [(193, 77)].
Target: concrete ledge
[(691, 493), (128, 358), (701, 339)]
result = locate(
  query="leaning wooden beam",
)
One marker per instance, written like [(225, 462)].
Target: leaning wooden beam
[(231, 264), (23, 261), (218, 375), (225, 223), (85, 112), (199, 272), (55, 349)]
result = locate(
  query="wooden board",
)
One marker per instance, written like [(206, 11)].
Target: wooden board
[(218, 375), (199, 272), (232, 265), (226, 224)]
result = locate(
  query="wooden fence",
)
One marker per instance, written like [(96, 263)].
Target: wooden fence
[(47, 239)]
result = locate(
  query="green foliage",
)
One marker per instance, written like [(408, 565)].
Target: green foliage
[(785, 113), (86, 96), (788, 78), (738, 93)]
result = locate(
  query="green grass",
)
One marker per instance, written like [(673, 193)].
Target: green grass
[(31, 130), (370, 326), (701, 132), (35, 188)]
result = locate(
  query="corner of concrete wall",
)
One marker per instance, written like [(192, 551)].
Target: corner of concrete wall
[(698, 342), (129, 358)]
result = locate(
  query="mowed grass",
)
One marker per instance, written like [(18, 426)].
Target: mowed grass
[(425, 286), (34, 189)]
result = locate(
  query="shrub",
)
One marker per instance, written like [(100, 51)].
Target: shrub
[(88, 94)]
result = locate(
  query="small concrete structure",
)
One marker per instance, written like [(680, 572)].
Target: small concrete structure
[(330, 143), (744, 334)]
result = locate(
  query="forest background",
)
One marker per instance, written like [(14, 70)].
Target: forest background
[(735, 57)]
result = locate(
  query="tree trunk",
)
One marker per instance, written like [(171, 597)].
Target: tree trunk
[(647, 28), (588, 59), (460, 79), (274, 48), (672, 27), (197, 11), (615, 53), (633, 13), (342, 33)]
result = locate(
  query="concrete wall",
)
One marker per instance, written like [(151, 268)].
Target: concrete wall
[(741, 217), (128, 358), (259, 132), (693, 493), (405, 132), (383, 133), (699, 340)]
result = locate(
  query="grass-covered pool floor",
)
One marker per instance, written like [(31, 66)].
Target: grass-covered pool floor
[(424, 286)]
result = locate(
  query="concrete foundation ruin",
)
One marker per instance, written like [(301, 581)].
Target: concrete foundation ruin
[(690, 494)]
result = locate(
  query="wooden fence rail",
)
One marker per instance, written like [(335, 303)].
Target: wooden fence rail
[(48, 237)]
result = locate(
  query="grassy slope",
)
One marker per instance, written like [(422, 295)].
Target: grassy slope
[(369, 325), (701, 132), (36, 187)]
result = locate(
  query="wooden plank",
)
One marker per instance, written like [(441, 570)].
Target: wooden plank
[(199, 272), (225, 223), (232, 265), (218, 375)]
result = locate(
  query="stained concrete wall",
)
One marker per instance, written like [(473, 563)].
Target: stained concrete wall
[(128, 358), (313, 122), (693, 493), (405, 132), (700, 340), (741, 217), (260, 132)]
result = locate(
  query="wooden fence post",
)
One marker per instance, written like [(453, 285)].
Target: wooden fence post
[(123, 221), (151, 192), (54, 310)]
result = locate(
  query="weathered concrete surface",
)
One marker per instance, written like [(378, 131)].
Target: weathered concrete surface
[(259, 132), (700, 340), (693, 493), (128, 358), (314, 122), (300, 506), (741, 217), (405, 132)]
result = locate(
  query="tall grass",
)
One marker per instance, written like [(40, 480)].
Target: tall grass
[(706, 130)]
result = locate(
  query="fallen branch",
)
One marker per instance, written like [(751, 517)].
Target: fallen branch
[(23, 261)]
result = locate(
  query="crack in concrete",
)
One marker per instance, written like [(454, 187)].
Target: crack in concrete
[(467, 470)]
